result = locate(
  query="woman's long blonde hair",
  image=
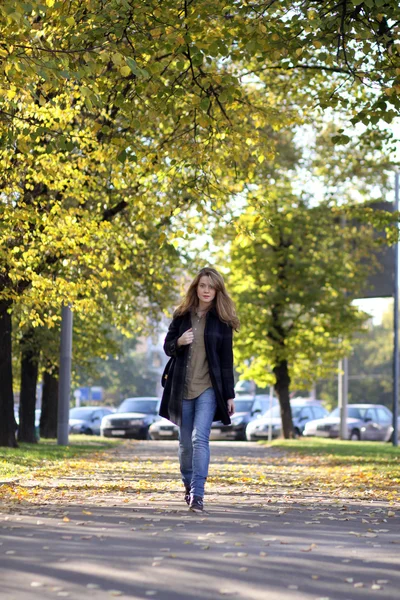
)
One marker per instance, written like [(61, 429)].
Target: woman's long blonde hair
[(222, 302)]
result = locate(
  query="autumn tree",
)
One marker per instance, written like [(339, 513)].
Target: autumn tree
[(116, 111), (294, 270)]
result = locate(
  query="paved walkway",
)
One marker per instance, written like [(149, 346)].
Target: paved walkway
[(251, 544)]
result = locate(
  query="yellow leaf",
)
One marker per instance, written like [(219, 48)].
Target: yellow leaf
[(125, 71)]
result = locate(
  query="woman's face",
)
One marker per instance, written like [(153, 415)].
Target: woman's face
[(205, 290)]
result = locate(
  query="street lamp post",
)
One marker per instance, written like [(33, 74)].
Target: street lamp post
[(396, 325), (64, 384)]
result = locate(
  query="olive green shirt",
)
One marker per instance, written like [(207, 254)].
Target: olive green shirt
[(197, 373)]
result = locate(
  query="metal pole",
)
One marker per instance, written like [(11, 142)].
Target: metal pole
[(343, 421), (64, 384), (270, 413), (340, 395), (396, 325)]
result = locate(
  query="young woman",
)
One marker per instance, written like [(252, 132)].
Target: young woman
[(199, 384)]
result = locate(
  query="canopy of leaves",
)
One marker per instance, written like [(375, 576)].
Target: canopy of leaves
[(294, 271)]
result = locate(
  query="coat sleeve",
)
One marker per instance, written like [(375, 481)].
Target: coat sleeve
[(171, 347), (226, 361)]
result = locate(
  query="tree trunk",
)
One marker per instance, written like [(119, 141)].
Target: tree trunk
[(7, 420), (29, 375), (48, 416), (282, 383)]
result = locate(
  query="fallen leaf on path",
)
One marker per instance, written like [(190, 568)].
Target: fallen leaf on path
[(311, 547)]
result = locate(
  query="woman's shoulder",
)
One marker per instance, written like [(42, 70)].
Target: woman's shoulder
[(222, 325), (177, 318)]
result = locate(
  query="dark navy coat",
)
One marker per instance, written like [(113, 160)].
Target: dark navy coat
[(218, 345)]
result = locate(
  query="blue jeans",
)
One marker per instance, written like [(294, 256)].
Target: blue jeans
[(194, 440)]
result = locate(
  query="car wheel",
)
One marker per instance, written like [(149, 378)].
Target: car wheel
[(297, 432), (355, 436), (88, 432)]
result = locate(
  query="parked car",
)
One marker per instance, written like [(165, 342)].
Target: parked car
[(87, 419), (247, 408), (303, 411), (364, 422), (163, 429), (132, 418)]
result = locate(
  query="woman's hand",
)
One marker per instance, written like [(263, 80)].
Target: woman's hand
[(231, 407), (186, 338)]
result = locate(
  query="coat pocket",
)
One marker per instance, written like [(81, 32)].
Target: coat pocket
[(169, 367)]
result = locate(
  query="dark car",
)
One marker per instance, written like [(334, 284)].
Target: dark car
[(132, 418), (247, 408), (87, 419), (303, 411), (372, 422)]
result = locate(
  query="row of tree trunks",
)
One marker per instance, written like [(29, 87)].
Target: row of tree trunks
[(7, 420), (48, 416), (29, 375), (282, 387)]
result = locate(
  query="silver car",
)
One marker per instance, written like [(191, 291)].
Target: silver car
[(372, 422), (303, 411), (163, 429), (87, 419)]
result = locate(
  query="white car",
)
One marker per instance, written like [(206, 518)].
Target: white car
[(371, 422), (163, 429), (303, 411)]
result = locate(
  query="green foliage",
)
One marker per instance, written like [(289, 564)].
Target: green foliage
[(294, 271), (370, 367), (125, 371)]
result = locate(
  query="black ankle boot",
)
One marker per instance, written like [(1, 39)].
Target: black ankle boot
[(196, 503), (187, 494)]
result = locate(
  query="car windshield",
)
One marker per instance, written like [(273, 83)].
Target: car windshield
[(243, 405), (140, 406), (80, 413), (352, 412), (275, 411)]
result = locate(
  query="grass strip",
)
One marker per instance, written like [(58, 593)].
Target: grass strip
[(339, 449), (27, 458)]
